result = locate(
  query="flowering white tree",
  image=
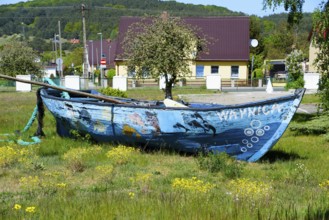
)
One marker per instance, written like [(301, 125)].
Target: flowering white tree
[(295, 70)]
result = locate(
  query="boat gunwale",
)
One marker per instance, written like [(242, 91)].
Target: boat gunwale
[(298, 94)]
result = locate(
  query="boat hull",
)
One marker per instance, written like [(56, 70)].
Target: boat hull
[(244, 131)]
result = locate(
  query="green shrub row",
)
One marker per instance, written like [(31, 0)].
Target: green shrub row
[(113, 92), (316, 126)]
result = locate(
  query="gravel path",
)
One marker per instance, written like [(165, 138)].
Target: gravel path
[(228, 98)]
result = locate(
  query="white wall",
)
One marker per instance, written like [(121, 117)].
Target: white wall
[(311, 80), (23, 87)]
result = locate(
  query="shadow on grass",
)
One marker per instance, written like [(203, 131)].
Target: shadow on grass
[(302, 117), (278, 155)]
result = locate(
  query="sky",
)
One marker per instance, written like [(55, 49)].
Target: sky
[(249, 7)]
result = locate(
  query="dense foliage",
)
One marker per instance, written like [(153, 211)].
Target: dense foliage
[(18, 58), (40, 17), (113, 92)]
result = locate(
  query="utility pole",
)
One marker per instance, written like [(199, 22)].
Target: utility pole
[(60, 50), (23, 25), (101, 57), (55, 43), (85, 60)]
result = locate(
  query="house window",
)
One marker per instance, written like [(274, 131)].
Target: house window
[(131, 73), (214, 69), (145, 72), (199, 71), (234, 71)]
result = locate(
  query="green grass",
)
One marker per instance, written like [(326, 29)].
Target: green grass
[(311, 99), (285, 182)]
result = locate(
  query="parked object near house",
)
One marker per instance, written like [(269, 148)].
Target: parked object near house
[(213, 82), (120, 82), (311, 81), (23, 87), (244, 131), (72, 82)]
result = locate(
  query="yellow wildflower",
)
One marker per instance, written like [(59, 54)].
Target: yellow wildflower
[(131, 195), (121, 154), (61, 185), (193, 184), (17, 206), (30, 209), (30, 182), (324, 185), (249, 190)]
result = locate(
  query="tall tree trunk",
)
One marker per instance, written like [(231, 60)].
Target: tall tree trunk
[(168, 90), (169, 82)]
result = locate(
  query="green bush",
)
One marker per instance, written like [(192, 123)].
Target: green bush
[(258, 73), (110, 73), (113, 92), (222, 162), (316, 126)]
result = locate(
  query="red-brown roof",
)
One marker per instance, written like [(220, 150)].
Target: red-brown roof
[(230, 36)]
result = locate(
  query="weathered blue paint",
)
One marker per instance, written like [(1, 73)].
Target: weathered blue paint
[(245, 131)]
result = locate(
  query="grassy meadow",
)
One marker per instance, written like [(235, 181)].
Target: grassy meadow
[(78, 179)]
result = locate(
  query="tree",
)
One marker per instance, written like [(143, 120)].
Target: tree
[(73, 62), (295, 8), (162, 47), (279, 42), (295, 70), (321, 40), (17, 58)]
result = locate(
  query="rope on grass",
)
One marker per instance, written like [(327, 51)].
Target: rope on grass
[(38, 113)]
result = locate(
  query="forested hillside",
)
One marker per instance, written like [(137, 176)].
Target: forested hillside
[(40, 17), (37, 21)]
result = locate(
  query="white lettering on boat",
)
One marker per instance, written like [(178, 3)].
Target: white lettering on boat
[(237, 114)]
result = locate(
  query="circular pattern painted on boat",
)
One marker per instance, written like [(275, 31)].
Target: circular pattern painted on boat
[(254, 139), (260, 132), (243, 149), (255, 124), (245, 141), (249, 132)]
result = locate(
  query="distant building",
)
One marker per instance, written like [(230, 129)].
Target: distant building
[(228, 54), (312, 55)]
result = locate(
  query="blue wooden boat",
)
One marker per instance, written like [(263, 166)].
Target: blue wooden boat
[(244, 131)]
